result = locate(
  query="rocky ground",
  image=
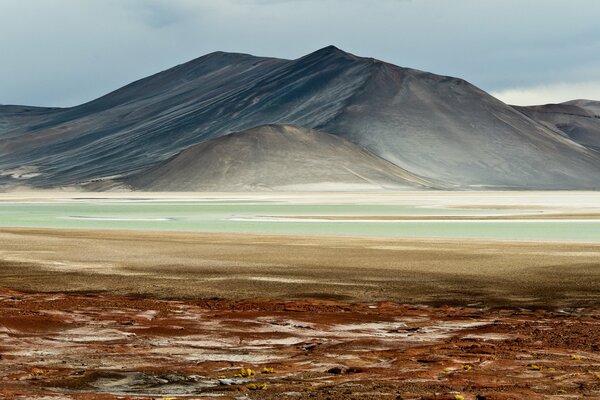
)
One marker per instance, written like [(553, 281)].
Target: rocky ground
[(73, 346)]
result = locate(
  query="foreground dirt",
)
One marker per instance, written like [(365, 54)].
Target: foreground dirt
[(66, 346)]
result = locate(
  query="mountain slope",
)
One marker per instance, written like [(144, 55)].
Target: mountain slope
[(156, 117), (133, 127), (577, 119), (447, 129), (434, 126), (275, 157)]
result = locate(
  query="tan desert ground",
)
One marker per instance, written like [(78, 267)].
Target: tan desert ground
[(131, 314)]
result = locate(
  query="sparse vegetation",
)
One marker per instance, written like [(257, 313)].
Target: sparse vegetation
[(245, 373), (257, 386)]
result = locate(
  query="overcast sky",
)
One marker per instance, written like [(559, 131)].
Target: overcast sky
[(65, 52)]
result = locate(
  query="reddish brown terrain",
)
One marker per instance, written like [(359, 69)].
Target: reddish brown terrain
[(70, 346)]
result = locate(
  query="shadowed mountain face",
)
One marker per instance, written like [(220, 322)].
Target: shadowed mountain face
[(579, 120), (441, 128), (275, 157)]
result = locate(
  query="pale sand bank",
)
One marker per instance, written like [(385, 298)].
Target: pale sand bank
[(560, 200)]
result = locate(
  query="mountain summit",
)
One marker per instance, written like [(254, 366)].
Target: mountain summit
[(440, 128)]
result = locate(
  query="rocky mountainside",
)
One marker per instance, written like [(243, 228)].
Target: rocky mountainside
[(578, 120), (442, 129)]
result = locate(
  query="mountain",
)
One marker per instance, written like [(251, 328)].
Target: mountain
[(579, 120), (441, 128), (275, 157)]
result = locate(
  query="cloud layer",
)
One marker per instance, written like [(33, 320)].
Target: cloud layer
[(554, 93), (65, 52)]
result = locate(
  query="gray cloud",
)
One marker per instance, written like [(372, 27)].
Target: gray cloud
[(68, 51), (155, 13)]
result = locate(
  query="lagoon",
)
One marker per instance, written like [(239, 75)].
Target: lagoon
[(276, 217)]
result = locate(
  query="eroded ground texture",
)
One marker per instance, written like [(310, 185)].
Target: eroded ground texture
[(72, 346)]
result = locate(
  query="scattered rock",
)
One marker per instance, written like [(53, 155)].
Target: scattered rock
[(344, 370)]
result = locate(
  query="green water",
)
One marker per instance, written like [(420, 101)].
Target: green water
[(253, 217)]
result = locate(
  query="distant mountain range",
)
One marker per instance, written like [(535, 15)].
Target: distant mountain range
[(327, 121)]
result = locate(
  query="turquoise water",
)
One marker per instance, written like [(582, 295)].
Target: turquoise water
[(255, 217)]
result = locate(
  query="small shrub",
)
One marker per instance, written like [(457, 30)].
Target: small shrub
[(257, 386), (245, 373)]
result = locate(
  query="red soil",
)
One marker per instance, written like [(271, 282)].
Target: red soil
[(58, 346)]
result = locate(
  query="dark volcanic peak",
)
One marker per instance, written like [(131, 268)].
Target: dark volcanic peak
[(276, 157), (592, 106), (10, 109), (447, 129), (15, 118), (434, 126), (578, 120), (216, 63), (560, 108), (330, 53)]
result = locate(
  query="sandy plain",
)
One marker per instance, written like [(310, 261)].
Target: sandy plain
[(240, 266)]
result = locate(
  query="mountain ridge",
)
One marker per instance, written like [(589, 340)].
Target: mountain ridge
[(434, 126), (579, 120)]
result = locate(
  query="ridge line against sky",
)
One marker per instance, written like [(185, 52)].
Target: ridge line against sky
[(66, 52)]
